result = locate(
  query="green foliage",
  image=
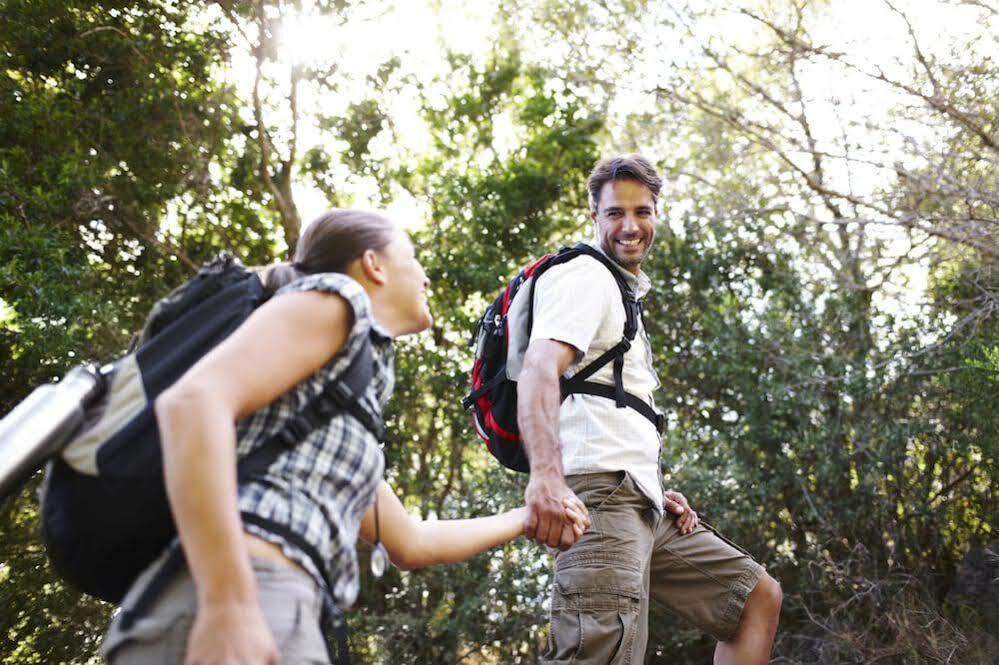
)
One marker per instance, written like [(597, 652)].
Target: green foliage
[(43, 621), (113, 124), (844, 435), (110, 113), (843, 439)]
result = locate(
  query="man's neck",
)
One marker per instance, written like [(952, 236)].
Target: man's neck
[(634, 273)]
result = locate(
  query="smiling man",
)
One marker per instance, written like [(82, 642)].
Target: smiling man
[(643, 542)]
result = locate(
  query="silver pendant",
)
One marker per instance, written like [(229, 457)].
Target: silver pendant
[(379, 560)]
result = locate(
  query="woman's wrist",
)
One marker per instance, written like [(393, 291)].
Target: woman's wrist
[(517, 517), (226, 585)]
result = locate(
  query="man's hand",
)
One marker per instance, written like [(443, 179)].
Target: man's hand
[(686, 518), (234, 634), (547, 521)]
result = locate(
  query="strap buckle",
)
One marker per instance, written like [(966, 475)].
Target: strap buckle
[(341, 394)]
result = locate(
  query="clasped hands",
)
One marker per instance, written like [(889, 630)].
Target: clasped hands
[(556, 517)]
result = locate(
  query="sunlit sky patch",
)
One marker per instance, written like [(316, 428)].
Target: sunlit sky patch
[(422, 32), (419, 33)]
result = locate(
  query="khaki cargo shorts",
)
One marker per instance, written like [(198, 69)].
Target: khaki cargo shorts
[(600, 597), (290, 601)]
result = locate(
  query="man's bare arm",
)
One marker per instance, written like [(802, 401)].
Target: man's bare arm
[(538, 400)]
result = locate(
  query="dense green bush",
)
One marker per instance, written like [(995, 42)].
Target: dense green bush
[(825, 411)]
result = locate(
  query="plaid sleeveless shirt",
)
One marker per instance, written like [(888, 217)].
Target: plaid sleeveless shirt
[(320, 488)]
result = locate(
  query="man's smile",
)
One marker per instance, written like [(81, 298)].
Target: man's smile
[(629, 243)]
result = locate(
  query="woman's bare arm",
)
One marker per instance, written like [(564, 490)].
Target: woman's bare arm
[(282, 343), (414, 543)]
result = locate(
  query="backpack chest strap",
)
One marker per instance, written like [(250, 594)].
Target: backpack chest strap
[(621, 398)]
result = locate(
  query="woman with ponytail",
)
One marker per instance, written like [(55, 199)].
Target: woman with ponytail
[(267, 557)]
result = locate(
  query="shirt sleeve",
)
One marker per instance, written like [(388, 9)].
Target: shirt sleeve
[(570, 302), (348, 289)]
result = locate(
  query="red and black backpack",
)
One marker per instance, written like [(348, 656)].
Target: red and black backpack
[(493, 398)]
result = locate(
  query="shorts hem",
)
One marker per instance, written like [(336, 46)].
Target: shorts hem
[(741, 589)]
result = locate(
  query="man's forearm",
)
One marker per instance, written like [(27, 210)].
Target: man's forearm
[(538, 419), (539, 400)]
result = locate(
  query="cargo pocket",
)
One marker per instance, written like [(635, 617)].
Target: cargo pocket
[(599, 492), (596, 601), (724, 539)]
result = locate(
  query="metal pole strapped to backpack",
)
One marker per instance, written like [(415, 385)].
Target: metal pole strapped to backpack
[(104, 514), (42, 424)]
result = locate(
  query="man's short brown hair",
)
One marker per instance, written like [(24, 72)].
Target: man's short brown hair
[(622, 167)]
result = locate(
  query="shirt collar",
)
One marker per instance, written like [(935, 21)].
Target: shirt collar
[(378, 330), (639, 283)]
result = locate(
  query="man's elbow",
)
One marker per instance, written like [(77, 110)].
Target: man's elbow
[(539, 371), (545, 361)]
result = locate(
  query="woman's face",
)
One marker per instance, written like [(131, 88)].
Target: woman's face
[(406, 286)]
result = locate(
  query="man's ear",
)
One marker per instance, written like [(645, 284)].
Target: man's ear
[(373, 267)]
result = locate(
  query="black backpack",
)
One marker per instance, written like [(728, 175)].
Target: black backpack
[(104, 510), (493, 398)]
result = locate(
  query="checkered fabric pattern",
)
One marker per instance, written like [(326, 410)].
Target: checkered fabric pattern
[(320, 488)]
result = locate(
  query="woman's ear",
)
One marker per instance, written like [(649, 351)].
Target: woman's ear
[(373, 266)]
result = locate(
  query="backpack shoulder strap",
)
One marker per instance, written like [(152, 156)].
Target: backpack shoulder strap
[(633, 313), (631, 310), (342, 397), (631, 307), (566, 254), (579, 383)]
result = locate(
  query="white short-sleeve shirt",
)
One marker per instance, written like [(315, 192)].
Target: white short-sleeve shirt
[(579, 303)]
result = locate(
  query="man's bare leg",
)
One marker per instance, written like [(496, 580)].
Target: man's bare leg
[(754, 638)]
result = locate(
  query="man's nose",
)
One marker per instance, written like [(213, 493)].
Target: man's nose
[(630, 223)]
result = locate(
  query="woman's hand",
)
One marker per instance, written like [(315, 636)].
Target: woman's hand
[(230, 633), (577, 513)]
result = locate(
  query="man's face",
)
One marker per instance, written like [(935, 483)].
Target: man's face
[(626, 219)]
